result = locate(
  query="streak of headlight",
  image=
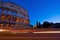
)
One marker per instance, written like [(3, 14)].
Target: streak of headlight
[(19, 32), (48, 32), (1, 30)]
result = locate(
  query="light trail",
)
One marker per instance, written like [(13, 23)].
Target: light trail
[(3, 30), (26, 31), (48, 32)]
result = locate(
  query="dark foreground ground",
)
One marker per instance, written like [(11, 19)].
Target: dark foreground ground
[(30, 36)]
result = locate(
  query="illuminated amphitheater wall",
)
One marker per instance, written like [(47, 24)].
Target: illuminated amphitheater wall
[(13, 16)]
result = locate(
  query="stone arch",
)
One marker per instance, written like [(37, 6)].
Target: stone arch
[(8, 17), (17, 19), (3, 17)]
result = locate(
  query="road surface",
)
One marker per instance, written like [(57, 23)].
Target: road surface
[(30, 36), (41, 35)]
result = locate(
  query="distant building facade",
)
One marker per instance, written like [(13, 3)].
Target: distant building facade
[(13, 16)]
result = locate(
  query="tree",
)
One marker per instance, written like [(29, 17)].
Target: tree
[(38, 25), (56, 25), (31, 26), (46, 24)]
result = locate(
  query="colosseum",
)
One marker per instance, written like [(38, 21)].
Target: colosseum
[(13, 16)]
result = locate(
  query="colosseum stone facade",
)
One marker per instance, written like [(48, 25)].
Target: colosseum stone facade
[(13, 16)]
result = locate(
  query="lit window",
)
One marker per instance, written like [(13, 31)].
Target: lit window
[(17, 20), (3, 18), (7, 25), (12, 25), (8, 18), (1, 24), (16, 25)]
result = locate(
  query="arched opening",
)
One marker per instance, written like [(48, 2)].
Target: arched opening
[(3, 17), (13, 18), (7, 25), (2, 24), (8, 18), (17, 19), (16, 25), (12, 25), (21, 20), (26, 21)]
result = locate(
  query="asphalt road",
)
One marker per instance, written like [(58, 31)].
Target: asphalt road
[(31, 36), (25, 35)]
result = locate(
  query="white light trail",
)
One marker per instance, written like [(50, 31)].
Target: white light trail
[(48, 32), (1, 30)]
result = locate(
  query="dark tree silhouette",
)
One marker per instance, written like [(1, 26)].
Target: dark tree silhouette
[(38, 25), (46, 24), (56, 25), (31, 26)]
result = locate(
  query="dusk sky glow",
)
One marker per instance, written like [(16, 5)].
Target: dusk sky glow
[(40, 10)]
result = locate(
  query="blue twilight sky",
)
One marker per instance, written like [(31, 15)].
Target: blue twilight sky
[(41, 10)]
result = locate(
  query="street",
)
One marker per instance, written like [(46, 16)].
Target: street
[(31, 36)]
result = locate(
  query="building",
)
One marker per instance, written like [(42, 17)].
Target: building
[(13, 16)]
